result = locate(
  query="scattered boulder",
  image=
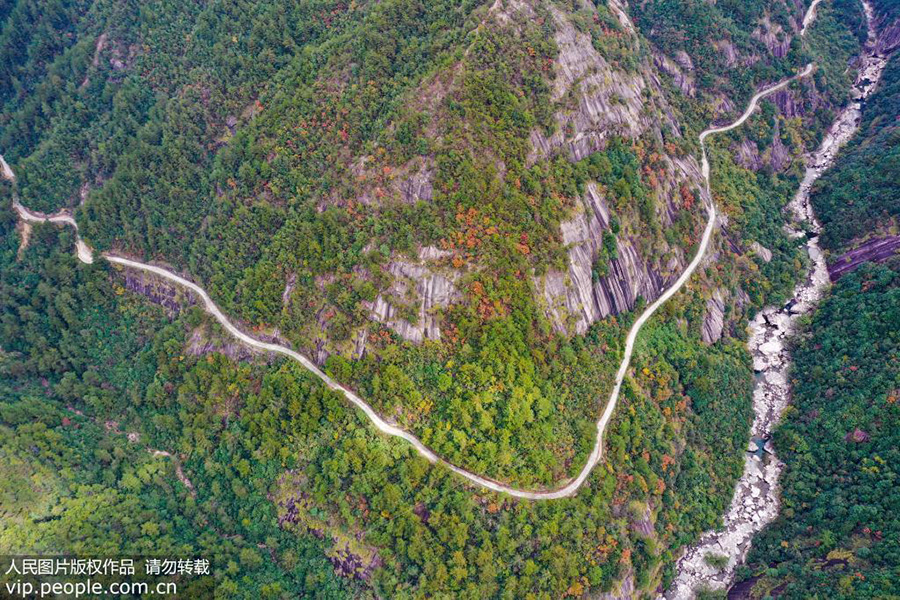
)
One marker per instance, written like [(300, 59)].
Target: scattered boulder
[(761, 251)]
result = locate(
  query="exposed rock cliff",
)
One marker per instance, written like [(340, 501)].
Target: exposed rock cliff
[(418, 285), (761, 251), (595, 101), (598, 100), (889, 36), (714, 321), (874, 250), (201, 343), (682, 76), (776, 156), (157, 291), (773, 35), (410, 183), (573, 300)]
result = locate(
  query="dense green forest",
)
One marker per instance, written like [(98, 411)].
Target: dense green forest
[(838, 533), (197, 136), (289, 486), (860, 197), (77, 425), (256, 147)]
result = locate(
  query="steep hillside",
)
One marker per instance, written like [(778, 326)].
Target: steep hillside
[(860, 199), (362, 199), (838, 534), (718, 53), (457, 209)]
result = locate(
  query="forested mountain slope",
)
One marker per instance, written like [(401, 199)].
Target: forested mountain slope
[(455, 207), (838, 534), (860, 197), (365, 179)]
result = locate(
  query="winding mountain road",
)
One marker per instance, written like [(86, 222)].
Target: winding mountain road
[(85, 254)]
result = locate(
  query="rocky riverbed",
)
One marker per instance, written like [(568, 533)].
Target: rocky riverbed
[(755, 502)]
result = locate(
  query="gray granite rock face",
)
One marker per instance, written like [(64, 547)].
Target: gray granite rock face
[(606, 101), (595, 102), (417, 185), (623, 591), (684, 79), (773, 35), (573, 300), (714, 321), (158, 291), (761, 251), (417, 283), (746, 154), (776, 156), (889, 38)]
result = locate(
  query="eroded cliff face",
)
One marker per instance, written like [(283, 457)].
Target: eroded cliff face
[(776, 155), (574, 299), (773, 35), (714, 321), (595, 101), (158, 291), (888, 36), (681, 69), (420, 287)]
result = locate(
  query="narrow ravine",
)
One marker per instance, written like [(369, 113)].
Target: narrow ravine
[(85, 254), (755, 503)]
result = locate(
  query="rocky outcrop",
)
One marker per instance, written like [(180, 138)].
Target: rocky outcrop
[(777, 156), (789, 105), (95, 62), (857, 436), (409, 183), (419, 285), (761, 251), (5, 170), (774, 37), (746, 154), (596, 101), (723, 105), (875, 250), (289, 286), (350, 563), (158, 292), (573, 299), (889, 36), (200, 344), (623, 591), (602, 101), (714, 321), (728, 50), (684, 80), (417, 185)]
